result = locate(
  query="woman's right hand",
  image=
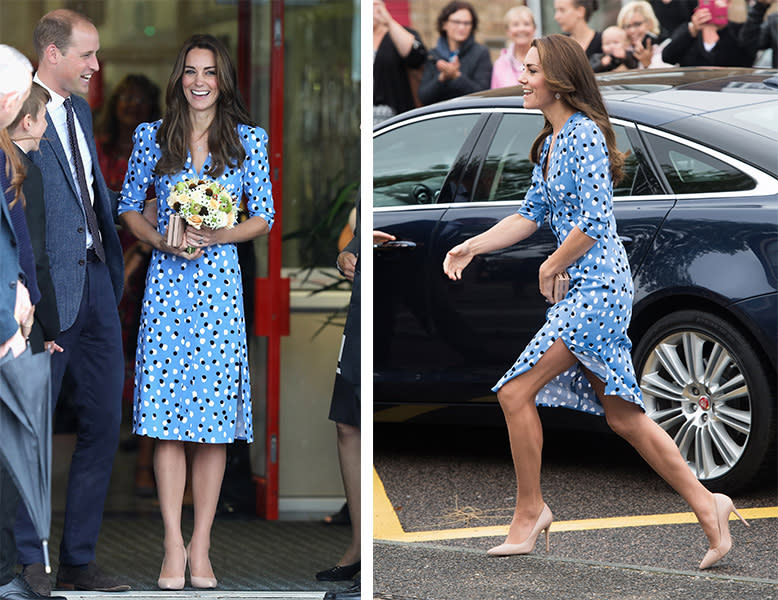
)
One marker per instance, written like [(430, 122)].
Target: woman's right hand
[(643, 53), (456, 260), (163, 246), (700, 17)]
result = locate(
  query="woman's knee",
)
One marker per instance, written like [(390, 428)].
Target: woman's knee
[(346, 432), (513, 398), (625, 423)]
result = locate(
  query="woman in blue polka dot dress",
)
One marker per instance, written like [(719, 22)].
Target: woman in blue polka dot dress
[(192, 373), (581, 356)]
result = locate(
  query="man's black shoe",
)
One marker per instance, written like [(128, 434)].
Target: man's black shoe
[(340, 572), (36, 577), (18, 589), (352, 593), (89, 578)]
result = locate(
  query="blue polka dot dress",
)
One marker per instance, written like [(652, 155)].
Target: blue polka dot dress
[(191, 365), (593, 317)]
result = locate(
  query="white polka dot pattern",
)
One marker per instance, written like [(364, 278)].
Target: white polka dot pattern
[(593, 317), (191, 366)]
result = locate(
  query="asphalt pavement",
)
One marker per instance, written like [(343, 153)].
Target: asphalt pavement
[(443, 495)]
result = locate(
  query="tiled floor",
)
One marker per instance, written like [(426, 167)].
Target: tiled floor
[(251, 557)]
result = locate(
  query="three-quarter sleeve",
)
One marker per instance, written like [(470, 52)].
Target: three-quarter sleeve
[(140, 168), (593, 180), (535, 206), (256, 174)]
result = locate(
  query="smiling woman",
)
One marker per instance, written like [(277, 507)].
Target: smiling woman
[(206, 135), (457, 65)]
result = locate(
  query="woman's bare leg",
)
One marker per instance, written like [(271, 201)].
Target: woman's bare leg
[(349, 453), (170, 471), (208, 464), (517, 399), (658, 449)]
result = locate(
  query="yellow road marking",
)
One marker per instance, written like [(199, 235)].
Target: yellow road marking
[(387, 526), (385, 520)]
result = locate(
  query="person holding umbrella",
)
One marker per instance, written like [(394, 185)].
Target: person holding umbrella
[(15, 306)]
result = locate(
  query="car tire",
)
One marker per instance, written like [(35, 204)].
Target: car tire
[(704, 384)]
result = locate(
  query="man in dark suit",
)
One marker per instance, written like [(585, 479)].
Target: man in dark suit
[(87, 271)]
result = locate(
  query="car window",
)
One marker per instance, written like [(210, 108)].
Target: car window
[(507, 170), (690, 171), (638, 179), (411, 162)]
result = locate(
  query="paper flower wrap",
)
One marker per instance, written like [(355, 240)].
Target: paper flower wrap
[(203, 203)]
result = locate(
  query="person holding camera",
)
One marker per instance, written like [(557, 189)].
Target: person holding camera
[(638, 20), (709, 39), (397, 52)]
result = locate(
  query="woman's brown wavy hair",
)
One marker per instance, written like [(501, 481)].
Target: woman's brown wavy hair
[(568, 72), (14, 169), (223, 140)]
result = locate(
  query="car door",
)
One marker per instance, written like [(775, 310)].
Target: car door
[(481, 323), (416, 168)]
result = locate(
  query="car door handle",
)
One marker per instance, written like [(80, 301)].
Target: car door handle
[(396, 244), (625, 239)]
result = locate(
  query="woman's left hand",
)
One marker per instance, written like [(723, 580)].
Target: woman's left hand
[(546, 276), (201, 238)]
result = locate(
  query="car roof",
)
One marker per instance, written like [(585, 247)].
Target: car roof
[(679, 100)]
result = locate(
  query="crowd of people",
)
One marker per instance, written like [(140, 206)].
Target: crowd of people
[(646, 35)]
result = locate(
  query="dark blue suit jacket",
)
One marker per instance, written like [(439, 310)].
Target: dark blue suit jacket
[(9, 270), (65, 222)]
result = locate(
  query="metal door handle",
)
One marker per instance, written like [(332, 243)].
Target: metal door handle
[(396, 244)]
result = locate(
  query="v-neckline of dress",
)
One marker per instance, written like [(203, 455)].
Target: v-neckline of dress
[(190, 161), (552, 146)]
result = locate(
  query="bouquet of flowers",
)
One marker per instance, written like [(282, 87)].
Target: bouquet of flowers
[(200, 203)]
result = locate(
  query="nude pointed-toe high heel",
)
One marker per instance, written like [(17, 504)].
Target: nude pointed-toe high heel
[(171, 583), (204, 583), (724, 507), (528, 545)]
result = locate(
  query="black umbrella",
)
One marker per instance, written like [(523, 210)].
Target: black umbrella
[(25, 431)]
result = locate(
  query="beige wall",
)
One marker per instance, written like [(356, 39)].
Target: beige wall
[(309, 472)]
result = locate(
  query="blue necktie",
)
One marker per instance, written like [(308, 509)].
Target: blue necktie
[(89, 211)]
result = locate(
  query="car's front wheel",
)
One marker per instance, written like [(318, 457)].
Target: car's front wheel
[(704, 384)]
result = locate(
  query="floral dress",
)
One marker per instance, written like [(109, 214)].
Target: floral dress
[(191, 365), (593, 317)]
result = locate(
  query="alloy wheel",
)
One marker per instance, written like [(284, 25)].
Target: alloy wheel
[(695, 390)]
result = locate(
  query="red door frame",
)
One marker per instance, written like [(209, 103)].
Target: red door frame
[(271, 306)]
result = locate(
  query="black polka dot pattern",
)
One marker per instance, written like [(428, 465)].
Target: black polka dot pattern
[(592, 319), (191, 367)]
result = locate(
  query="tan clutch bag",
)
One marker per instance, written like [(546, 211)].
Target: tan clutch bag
[(561, 285), (175, 231)]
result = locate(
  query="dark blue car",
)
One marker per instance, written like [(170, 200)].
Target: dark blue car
[(697, 213)]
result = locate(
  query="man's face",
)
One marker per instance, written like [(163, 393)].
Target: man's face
[(78, 62)]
